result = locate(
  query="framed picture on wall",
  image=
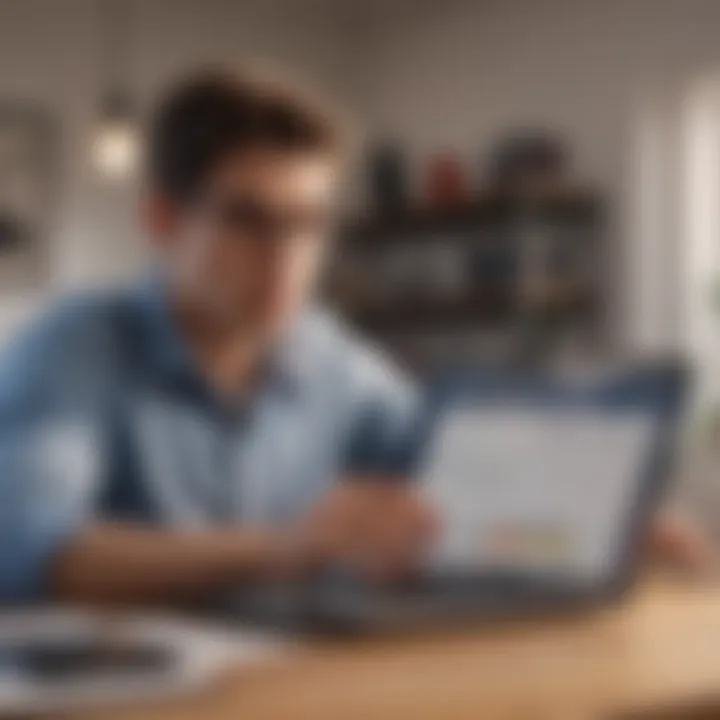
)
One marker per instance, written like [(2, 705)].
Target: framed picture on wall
[(28, 174)]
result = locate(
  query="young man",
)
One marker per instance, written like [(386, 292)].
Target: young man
[(210, 426)]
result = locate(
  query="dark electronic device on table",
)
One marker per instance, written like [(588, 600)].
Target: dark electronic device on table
[(548, 548)]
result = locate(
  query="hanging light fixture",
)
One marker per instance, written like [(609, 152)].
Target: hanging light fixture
[(116, 142), (115, 146)]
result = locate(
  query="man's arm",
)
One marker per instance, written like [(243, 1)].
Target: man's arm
[(56, 388), (676, 543), (376, 527), (128, 564)]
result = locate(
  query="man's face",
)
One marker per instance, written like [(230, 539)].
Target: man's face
[(248, 250)]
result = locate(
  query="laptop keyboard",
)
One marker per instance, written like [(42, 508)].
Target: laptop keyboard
[(438, 592)]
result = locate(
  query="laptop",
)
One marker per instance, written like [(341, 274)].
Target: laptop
[(544, 485)]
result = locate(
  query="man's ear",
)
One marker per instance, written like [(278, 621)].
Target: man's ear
[(159, 216)]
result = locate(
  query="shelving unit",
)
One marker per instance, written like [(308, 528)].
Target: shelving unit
[(531, 271)]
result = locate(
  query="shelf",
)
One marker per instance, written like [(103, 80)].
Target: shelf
[(418, 224), (481, 310)]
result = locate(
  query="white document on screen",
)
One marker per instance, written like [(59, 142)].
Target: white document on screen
[(535, 489)]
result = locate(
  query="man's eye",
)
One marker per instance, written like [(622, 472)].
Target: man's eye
[(246, 214)]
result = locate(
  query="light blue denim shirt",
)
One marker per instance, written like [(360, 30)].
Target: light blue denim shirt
[(104, 415)]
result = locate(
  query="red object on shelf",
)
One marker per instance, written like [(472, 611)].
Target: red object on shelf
[(446, 181)]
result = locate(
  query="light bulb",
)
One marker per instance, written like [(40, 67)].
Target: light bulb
[(116, 148)]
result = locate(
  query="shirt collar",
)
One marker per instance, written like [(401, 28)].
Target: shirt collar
[(166, 348), (288, 365)]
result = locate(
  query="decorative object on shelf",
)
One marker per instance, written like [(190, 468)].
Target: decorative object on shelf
[(529, 166), (447, 185), (387, 179), (28, 173)]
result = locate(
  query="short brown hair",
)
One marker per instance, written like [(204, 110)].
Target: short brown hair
[(204, 118)]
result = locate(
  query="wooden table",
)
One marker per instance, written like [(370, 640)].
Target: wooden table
[(661, 649)]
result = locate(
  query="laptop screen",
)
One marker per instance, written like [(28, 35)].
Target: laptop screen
[(536, 488)]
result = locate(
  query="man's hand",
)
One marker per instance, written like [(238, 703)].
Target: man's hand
[(675, 543), (379, 528)]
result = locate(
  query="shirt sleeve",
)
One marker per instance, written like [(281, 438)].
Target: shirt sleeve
[(385, 429), (50, 452)]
